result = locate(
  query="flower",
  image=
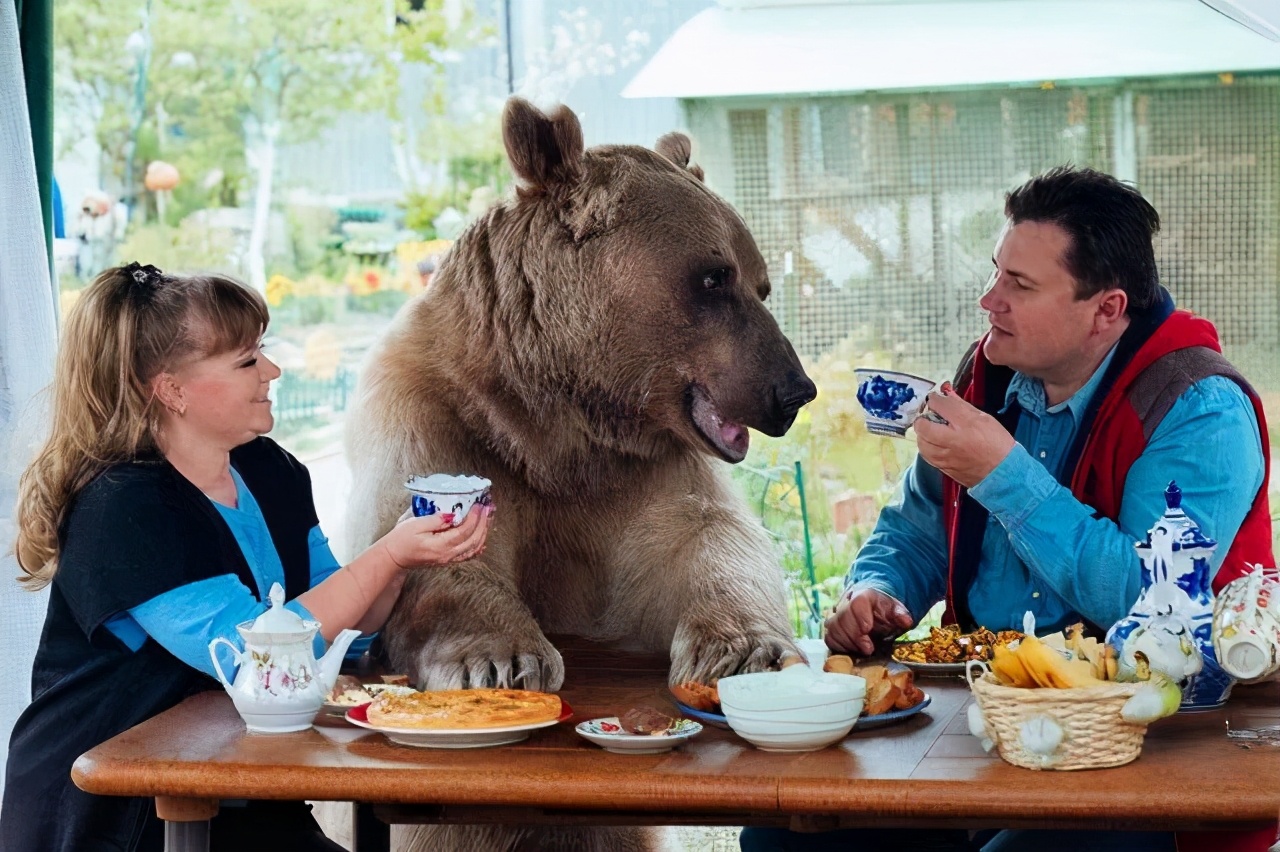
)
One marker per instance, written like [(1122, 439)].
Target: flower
[(278, 289), (365, 281), (314, 285), (408, 255)]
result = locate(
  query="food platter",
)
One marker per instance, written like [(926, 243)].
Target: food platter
[(715, 720), (455, 738), (338, 709), (948, 643), (933, 669), (864, 723)]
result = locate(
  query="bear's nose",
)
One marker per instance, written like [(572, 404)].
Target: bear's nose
[(795, 392)]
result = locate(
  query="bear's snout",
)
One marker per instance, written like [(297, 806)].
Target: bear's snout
[(791, 393), (794, 393)]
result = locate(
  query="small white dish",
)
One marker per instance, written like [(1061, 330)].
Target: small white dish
[(274, 720), (607, 733)]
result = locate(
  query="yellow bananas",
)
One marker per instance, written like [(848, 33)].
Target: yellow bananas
[(1034, 662)]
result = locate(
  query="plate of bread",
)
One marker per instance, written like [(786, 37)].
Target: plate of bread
[(460, 718), (892, 695)]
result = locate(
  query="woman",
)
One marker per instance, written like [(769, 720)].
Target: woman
[(160, 517)]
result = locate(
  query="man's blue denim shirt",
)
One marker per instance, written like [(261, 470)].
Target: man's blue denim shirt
[(1044, 550)]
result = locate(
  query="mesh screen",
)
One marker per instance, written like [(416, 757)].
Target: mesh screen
[(878, 213)]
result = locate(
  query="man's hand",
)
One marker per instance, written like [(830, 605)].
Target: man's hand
[(968, 446), (862, 617)]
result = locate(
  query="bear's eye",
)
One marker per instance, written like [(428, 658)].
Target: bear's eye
[(714, 279)]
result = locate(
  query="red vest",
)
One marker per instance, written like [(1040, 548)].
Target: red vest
[(1115, 441)]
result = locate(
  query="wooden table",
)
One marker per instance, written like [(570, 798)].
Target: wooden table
[(926, 772)]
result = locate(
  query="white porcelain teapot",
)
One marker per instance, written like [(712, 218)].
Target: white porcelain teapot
[(280, 684)]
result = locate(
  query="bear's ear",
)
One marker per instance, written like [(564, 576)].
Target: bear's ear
[(677, 147), (544, 150)]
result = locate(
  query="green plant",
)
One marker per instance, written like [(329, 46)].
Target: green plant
[(837, 455), (385, 302), (311, 234), (188, 247)]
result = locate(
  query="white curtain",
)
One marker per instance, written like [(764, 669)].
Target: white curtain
[(27, 343)]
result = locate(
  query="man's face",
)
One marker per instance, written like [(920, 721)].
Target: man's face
[(1038, 326)]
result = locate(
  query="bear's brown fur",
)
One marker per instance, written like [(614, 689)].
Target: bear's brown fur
[(595, 347)]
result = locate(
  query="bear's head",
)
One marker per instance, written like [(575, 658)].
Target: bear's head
[(624, 287)]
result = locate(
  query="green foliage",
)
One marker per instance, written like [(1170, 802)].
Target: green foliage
[(314, 243), (421, 210), (978, 231), (186, 248), (422, 33), (837, 456), (95, 73), (306, 310), (217, 73), (484, 167), (385, 302)]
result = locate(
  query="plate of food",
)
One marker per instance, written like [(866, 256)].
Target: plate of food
[(865, 722), (348, 692), (460, 718), (892, 696), (641, 730), (948, 650)]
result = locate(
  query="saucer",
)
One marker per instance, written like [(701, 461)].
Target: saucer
[(607, 733)]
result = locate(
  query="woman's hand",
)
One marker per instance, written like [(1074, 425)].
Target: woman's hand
[(429, 540)]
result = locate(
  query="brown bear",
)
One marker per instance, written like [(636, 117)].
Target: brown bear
[(595, 346)]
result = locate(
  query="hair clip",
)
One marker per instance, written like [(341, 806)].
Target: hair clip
[(147, 275)]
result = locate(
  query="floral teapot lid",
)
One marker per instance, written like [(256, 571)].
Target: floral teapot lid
[(277, 624), (1182, 532)]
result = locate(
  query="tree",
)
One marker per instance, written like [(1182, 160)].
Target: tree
[(95, 75), (284, 68), (432, 132), (228, 82)]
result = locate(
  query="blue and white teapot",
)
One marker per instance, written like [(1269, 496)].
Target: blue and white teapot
[(1172, 621)]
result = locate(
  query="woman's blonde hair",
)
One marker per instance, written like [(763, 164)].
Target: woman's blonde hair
[(129, 326)]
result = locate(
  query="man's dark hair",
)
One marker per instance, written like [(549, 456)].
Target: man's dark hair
[(1110, 224)]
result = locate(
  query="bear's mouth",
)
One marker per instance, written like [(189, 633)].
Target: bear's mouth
[(727, 438)]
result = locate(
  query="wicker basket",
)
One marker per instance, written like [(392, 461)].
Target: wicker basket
[(1085, 722)]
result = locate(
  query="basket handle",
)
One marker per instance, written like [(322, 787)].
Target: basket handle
[(969, 667)]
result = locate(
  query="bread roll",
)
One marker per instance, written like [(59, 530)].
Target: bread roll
[(838, 663)]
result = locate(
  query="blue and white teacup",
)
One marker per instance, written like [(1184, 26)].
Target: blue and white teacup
[(891, 399), (450, 496)]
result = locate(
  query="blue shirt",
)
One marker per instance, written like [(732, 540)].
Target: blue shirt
[(186, 619), (1043, 549)]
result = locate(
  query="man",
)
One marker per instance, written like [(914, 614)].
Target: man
[(1086, 397), (1068, 419)]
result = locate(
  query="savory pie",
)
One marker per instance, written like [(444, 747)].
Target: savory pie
[(463, 709)]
